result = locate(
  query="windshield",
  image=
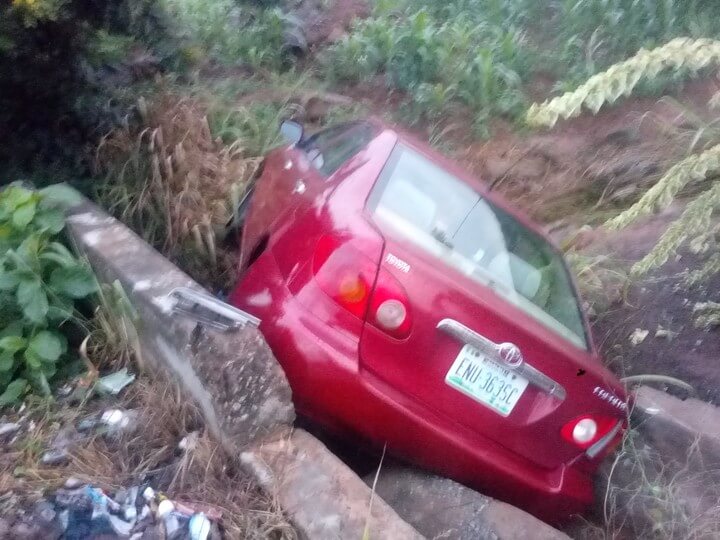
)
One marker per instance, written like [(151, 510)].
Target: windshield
[(428, 206)]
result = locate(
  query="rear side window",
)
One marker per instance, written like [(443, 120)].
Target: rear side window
[(329, 149), (418, 201)]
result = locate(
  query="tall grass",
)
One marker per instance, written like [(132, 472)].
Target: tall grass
[(171, 179)]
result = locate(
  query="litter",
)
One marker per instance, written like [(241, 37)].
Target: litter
[(8, 429), (114, 383)]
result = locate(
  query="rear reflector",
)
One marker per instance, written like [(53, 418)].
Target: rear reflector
[(344, 274), (391, 314), (586, 430)]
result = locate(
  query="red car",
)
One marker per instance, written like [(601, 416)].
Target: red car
[(410, 306)]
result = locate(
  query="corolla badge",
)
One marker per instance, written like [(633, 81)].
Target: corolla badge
[(610, 397)]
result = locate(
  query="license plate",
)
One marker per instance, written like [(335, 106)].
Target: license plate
[(485, 381)]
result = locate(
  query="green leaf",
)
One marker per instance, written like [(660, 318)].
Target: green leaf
[(33, 361), (24, 214), (32, 300), (12, 344), (28, 251), (51, 220), (61, 194), (9, 279), (47, 345), (59, 254), (13, 392), (15, 328), (15, 196), (74, 281), (7, 361)]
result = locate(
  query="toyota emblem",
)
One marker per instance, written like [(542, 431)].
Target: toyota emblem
[(510, 355)]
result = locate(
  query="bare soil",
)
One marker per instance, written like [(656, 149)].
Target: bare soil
[(662, 302)]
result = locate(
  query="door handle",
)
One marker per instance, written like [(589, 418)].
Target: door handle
[(299, 188), (506, 354)]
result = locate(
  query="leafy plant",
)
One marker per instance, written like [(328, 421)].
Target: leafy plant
[(621, 79), (437, 59), (40, 281), (232, 33), (695, 223)]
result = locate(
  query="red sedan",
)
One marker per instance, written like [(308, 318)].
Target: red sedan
[(410, 306)]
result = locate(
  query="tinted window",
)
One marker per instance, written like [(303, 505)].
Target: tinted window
[(328, 150), (444, 216)]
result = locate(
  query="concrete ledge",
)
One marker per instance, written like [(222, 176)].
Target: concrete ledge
[(441, 508), (241, 389), (313, 485), (686, 432)]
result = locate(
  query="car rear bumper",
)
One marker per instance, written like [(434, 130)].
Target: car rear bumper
[(330, 387)]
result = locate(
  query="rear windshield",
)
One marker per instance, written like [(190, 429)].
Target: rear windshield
[(426, 205)]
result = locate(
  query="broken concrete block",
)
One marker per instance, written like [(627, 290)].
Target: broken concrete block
[(441, 508)]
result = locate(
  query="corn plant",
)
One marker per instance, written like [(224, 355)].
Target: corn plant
[(435, 59), (695, 225), (40, 280), (230, 32), (621, 79)]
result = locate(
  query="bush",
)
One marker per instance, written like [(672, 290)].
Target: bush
[(40, 280)]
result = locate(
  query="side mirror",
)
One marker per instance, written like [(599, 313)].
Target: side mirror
[(291, 131)]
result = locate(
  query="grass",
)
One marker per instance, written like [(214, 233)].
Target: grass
[(205, 474), (170, 178)]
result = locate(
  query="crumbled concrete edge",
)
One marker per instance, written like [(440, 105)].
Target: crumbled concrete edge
[(313, 485), (323, 498), (684, 431), (239, 386), (442, 508)]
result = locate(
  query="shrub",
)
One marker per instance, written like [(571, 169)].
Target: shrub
[(231, 33), (40, 281)]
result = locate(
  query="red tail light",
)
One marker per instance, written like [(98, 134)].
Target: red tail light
[(584, 431), (353, 280)]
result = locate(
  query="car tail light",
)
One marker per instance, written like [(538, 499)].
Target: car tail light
[(586, 430), (344, 273), (353, 280)]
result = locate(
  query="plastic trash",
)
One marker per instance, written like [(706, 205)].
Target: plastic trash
[(199, 527), (8, 428), (116, 421), (114, 383)]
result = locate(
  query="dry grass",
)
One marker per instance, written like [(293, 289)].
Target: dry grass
[(205, 475), (648, 498), (171, 181)]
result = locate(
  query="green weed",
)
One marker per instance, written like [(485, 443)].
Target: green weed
[(40, 280), (229, 32)]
